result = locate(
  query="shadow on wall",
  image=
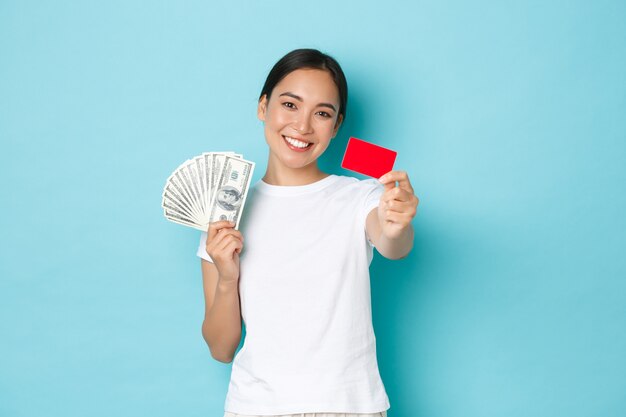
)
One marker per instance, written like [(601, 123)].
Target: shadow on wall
[(400, 289), (398, 286), (355, 124), (415, 308)]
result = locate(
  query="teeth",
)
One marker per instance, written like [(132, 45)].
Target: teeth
[(296, 143)]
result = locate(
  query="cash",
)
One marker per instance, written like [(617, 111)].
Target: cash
[(207, 188)]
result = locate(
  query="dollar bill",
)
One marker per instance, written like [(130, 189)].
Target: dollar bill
[(175, 190), (231, 189), (181, 178), (208, 177), (206, 188)]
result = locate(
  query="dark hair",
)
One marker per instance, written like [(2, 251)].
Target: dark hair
[(308, 58)]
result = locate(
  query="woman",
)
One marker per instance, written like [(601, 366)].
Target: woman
[(302, 285)]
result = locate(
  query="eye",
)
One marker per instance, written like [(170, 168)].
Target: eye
[(324, 114), (289, 105)]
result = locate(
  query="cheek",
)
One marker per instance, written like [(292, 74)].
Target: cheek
[(277, 118), (327, 127)]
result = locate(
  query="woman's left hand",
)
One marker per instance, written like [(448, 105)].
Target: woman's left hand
[(398, 204)]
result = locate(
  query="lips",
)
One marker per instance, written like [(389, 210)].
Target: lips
[(296, 145)]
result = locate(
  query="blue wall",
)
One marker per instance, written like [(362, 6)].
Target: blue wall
[(508, 116)]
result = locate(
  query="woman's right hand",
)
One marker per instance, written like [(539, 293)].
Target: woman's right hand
[(224, 244)]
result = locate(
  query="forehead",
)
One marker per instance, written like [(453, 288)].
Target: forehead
[(310, 84)]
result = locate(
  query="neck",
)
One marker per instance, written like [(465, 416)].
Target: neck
[(278, 174)]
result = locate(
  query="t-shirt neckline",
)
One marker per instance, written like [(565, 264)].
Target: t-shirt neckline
[(288, 190)]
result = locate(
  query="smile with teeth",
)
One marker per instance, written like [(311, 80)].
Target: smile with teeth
[(297, 143)]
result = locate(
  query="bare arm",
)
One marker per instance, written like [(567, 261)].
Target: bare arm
[(389, 225), (221, 327), (391, 248)]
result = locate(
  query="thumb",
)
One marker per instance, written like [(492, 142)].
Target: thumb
[(390, 185), (387, 181)]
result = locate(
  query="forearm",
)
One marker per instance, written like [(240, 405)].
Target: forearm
[(222, 322), (398, 247)]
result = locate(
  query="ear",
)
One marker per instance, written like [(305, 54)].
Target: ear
[(262, 108), (337, 125)]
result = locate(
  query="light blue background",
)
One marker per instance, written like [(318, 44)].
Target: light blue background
[(508, 116)]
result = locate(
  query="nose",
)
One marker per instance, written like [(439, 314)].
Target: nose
[(302, 123)]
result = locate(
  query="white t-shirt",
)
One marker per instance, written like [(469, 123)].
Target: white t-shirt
[(305, 301)]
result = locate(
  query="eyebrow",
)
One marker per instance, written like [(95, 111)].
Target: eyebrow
[(300, 99)]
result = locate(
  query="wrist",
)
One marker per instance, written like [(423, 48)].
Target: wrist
[(227, 285), (397, 246), (403, 234)]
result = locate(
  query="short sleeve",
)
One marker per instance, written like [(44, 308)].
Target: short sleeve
[(201, 252), (373, 191)]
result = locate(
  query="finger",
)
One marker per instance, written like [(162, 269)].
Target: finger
[(396, 217), (387, 180), (227, 240), (216, 227), (389, 185), (408, 210), (217, 242), (225, 251), (221, 251), (397, 193), (399, 206), (232, 246), (390, 179), (229, 231), (223, 234)]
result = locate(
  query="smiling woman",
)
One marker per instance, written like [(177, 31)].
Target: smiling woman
[(304, 102), (301, 285), (301, 115)]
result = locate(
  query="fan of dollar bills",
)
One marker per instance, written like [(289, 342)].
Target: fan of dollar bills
[(207, 188)]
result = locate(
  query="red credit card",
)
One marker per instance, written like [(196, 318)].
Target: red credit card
[(367, 158)]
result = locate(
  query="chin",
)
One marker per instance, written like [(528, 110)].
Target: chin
[(297, 164)]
